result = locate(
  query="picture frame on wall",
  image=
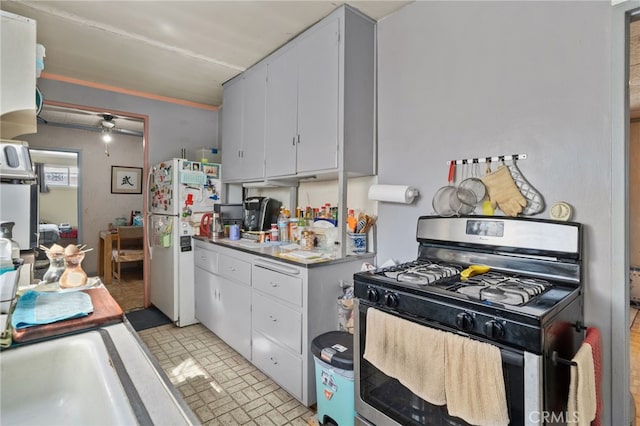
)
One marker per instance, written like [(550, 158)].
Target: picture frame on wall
[(126, 180)]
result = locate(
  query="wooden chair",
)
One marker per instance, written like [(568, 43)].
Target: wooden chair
[(129, 248)]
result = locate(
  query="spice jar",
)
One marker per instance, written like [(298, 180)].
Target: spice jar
[(307, 239)]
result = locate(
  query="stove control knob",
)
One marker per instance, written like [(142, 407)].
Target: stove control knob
[(391, 300), (464, 321), (373, 295), (493, 329)]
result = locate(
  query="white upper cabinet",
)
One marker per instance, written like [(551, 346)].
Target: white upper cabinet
[(243, 121), (318, 98), (18, 74), (302, 104), (319, 115), (282, 114), (232, 130)]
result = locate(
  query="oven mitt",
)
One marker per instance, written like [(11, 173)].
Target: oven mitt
[(535, 202), (503, 192)]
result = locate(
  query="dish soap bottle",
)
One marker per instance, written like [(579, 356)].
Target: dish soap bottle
[(6, 231)]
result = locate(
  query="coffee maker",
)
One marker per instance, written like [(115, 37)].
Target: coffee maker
[(252, 214), (260, 213), (269, 212)]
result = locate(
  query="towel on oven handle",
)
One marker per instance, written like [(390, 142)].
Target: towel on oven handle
[(474, 381), (440, 367), (409, 352), (584, 402)]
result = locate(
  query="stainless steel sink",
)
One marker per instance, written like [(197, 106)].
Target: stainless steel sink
[(69, 380)]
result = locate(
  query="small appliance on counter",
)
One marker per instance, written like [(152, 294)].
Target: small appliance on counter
[(231, 214), (252, 219), (260, 213)]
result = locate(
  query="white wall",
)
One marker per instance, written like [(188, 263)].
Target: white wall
[(474, 79), (98, 205)]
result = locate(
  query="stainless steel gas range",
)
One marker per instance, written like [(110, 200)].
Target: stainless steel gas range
[(529, 304)]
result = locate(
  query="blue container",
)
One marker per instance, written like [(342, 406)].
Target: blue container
[(333, 356)]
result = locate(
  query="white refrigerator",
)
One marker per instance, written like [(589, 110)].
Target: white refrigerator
[(180, 192)]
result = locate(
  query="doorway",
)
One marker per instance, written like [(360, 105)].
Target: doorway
[(80, 129), (58, 201)]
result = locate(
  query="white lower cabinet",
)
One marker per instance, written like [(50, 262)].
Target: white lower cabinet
[(223, 301), (273, 308), (282, 365)]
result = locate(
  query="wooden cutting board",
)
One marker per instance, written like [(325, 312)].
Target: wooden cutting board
[(105, 311)]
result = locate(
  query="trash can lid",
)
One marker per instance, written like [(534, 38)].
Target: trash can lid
[(334, 348)]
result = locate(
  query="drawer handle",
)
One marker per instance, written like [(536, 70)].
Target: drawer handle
[(274, 361), (274, 285), (232, 269), (277, 268), (272, 318)]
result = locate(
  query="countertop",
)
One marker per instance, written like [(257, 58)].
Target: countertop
[(281, 253)]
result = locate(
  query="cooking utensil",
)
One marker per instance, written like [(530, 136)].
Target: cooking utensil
[(474, 185), (442, 199), (535, 202), (463, 201)]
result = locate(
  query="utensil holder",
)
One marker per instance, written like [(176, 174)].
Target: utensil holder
[(356, 243)]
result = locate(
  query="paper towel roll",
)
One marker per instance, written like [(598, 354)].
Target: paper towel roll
[(393, 193)]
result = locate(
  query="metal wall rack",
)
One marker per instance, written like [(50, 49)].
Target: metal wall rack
[(498, 158)]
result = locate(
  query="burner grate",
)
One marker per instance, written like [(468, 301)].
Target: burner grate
[(506, 289), (422, 272)]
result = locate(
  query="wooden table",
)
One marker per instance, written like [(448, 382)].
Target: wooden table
[(105, 247)]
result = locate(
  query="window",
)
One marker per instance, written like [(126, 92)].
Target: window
[(61, 176)]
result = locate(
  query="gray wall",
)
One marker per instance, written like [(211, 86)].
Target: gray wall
[(98, 206), (475, 79), (171, 126)]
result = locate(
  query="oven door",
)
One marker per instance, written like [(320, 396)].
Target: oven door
[(382, 400)]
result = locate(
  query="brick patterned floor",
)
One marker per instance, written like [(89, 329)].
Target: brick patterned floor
[(221, 386)]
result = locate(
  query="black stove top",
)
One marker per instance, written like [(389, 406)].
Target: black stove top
[(526, 273)]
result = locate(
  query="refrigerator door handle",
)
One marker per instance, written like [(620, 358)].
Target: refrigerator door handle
[(149, 226)]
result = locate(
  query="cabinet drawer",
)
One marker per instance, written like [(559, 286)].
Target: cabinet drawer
[(235, 269), (277, 284), (283, 367), (278, 322), (206, 259)]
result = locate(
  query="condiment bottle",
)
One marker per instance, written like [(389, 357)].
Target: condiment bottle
[(283, 226), (351, 221)]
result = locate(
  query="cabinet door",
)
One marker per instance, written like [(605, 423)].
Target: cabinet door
[(253, 122), (235, 316), (232, 130), (281, 122), (318, 98), (206, 294)]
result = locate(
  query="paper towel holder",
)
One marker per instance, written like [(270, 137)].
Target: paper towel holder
[(403, 194)]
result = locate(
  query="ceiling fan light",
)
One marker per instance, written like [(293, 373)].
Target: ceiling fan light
[(106, 136)]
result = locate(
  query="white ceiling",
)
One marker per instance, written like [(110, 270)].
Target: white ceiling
[(186, 49), (180, 49)]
